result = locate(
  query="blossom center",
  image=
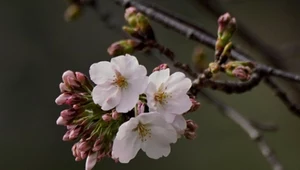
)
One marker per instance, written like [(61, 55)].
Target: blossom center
[(120, 80), (161, 97), (144, 131)]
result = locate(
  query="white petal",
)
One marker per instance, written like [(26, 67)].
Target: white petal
[(126, 128), (101, 72), (129, 99), (91, 161), (139, 84), (139, 71), (169, 117), (112, 101), (159, 126), (179, 124), (175, 78), (156, 150), (178, 104), (127, 148), (125, 64), (150, 91), (159, 77), (101, 94), (180, 87), (159, 143)]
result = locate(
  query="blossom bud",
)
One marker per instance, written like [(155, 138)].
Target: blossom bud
[(66, 136), (98, 144), (74, 133), (72, 12), (61, 99), (191, 125), (63, 88), (106, 117), (91, 160), (140, 107), (129, 12), (68, 114), (223, 22), (69, 79), (122, 47), (195, 104), (243, 73), (160, 67), (81, 78), (61, 121), (115, 115), (240, 69), (190, 131), (84, 146), (190, 135)]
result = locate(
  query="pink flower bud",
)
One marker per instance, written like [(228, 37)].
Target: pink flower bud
[(91, 160), (68, 114), (129, 11), (84, 146), (66, 136), (61, 99), (63, 88), (195, 104), (106, 117), (61, 121), (160, 67), (191, 125), (190, 131), (81, 78), (243, 73), (74, 133), (140, 107), (115, 115), (190, 135), (98, 144), (69, 79)]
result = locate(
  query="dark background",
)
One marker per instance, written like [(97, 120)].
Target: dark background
[(37, 46)]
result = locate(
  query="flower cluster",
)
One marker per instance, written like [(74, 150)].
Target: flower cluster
[(126, 111)]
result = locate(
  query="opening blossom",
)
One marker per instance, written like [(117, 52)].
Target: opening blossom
[(118, 83), (147, 131), (168, 94)]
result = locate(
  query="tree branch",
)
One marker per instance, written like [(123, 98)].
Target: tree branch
[(198, 34)]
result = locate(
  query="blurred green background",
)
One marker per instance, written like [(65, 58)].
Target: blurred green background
[(37, 46)]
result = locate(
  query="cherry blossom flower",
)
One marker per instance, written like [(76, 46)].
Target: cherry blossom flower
[(118, 83), (149, 132), (168, 94)]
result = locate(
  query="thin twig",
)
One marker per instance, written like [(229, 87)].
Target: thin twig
[(247, 126), (281, 94)]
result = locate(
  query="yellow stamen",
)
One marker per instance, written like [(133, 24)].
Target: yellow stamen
[(144, 131), (120, 80)]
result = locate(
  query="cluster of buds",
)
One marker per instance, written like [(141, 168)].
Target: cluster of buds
[(227, 26), (85, 121), (239, 69), (75, 8), (138, 25)]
